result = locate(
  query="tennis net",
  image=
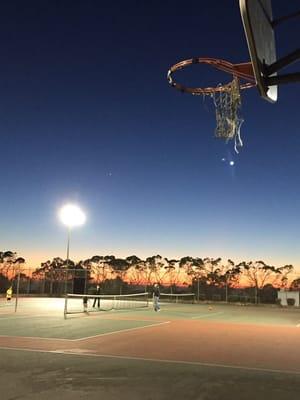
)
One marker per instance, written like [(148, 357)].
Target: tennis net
[(178, 298), (79, 303)]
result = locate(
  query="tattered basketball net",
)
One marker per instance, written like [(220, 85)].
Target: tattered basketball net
[(227, 98)]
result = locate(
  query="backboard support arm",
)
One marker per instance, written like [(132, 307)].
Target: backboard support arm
[(278, 21), (278, 65), (282, 79), (282, 62)]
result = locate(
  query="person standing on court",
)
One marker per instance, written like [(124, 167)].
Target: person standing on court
[(97, 299), (156, 296)]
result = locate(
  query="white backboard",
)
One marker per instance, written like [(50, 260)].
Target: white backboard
[(257, 18)]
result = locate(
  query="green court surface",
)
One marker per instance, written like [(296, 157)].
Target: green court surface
[(265, 315), (44, 318), (186, 351), (54, 327)]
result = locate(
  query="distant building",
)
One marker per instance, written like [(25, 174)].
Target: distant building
[(283, 295)]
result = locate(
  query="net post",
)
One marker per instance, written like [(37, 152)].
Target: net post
[(85, 281), (65, 281), (66, 306), (29, 282), (44, 283)]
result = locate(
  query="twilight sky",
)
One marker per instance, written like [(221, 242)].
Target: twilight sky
[(87, 116)]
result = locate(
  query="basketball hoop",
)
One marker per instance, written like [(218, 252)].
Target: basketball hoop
[(227, 98)]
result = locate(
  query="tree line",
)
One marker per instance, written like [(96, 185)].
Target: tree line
[(184, 272)]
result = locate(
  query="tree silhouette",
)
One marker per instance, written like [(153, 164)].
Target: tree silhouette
[(135, 272), (295, 285)]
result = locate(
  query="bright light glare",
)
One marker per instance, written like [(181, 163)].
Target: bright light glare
[(71, 215), (231, 163)]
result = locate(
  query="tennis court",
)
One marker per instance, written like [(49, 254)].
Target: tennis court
[(193, 351)]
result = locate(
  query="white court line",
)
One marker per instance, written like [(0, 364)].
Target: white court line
[(24, 316), (35, 337), (163, 361), (87, 337), (207, 315), (184, 314), (121, 331)]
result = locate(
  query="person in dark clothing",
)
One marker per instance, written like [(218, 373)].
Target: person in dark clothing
[(97, 299), (156, 296)]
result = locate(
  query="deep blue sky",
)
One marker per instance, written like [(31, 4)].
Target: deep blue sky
[(87, 115)]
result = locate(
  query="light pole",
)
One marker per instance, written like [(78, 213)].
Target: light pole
[(71, 215)]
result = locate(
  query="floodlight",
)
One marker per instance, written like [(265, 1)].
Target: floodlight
[(71, 215)]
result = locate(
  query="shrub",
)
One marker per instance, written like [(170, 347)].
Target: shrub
[(290, 302)]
